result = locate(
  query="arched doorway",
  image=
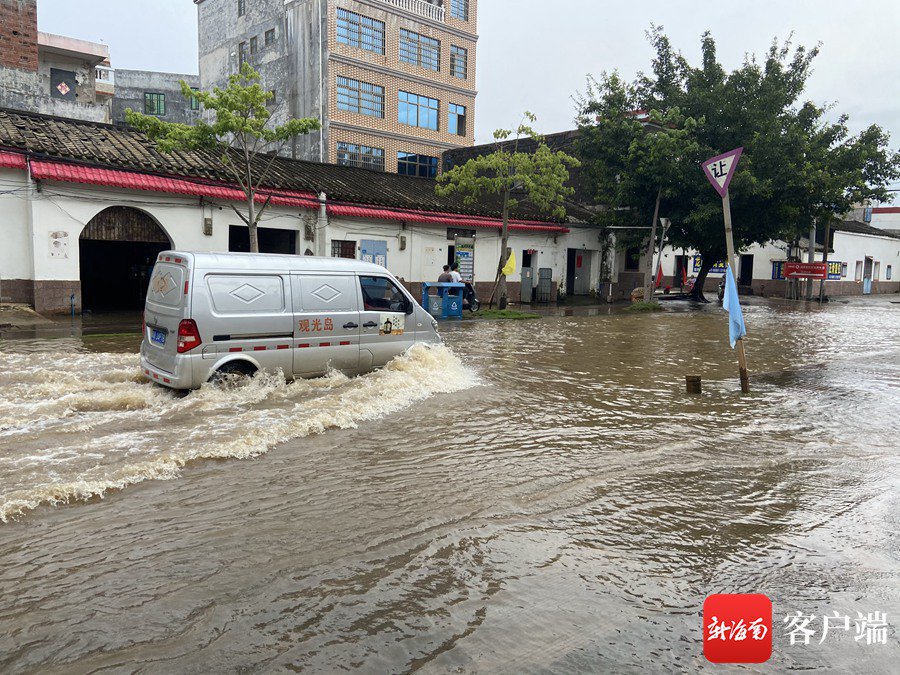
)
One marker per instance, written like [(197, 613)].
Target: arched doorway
[(118, 249)]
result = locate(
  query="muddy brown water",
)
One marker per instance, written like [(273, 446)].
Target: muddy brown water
[(540, 496)]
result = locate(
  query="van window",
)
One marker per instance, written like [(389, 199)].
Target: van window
[(166, 285), (382, 294)]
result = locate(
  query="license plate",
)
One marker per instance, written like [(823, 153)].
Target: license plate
[(157, 336)]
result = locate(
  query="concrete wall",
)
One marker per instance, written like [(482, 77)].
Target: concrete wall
[(131, 85)]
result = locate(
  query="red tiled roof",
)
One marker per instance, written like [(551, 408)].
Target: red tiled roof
[(440, 218), (12, 160), (130, 180)]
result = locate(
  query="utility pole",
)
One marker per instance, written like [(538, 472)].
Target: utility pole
[(825, 260), (651, 252), (811, 257)]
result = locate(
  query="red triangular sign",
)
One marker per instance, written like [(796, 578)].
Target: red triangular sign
[(720, 170)]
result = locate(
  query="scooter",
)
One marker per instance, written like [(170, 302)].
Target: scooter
[(721, 290), (470, 301)]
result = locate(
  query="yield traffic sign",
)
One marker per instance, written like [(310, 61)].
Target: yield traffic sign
[(720, 170)]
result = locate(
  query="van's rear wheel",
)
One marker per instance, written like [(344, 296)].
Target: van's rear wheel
[(234, 373)]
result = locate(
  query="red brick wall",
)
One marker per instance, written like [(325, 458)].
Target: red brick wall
[(18, 34)]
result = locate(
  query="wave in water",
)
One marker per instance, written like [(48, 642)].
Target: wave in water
[(95, 427)]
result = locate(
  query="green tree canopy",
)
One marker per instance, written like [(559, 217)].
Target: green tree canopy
[(650, 137), (539, 175), (242, 136)]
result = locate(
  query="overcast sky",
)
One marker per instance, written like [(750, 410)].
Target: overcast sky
[(535, 54)]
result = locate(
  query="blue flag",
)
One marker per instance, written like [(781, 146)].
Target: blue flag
[(736, 328)]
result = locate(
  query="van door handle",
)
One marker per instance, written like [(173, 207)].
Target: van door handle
[(370, 324), (351, 325)]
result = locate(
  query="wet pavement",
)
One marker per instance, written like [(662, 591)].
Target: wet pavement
[(539, 496)]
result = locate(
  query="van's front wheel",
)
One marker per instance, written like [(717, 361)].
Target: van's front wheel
[(234, 373)]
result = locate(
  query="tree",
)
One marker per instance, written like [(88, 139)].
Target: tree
[(797, 167), (539, 175), (242, 138)]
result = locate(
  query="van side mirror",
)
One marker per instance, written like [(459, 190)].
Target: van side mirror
[(410, 307)]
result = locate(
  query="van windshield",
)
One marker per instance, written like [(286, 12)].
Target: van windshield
[(381, 294)]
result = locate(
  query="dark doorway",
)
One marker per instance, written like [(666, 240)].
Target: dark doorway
[(681, 269), (270, 240), (117, 251), (570, 271), (746, 273), (451, 255)]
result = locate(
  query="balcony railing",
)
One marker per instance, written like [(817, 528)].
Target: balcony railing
[(105, 80), (420, 7)]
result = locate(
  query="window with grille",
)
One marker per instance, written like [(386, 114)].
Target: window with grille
[(195, 102), (360, 97), (411, 164), (270, 37), (242, 53), (242, 7), (456, 121), (420, 50), (154, 104), (254, 45), (343, 249), (363, 156), (417, 111), (459, 62), (360, 31), (459, 9)]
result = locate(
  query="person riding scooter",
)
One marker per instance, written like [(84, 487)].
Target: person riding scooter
[(470, 301)]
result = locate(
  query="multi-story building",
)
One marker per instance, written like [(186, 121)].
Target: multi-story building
[(51, 74), (156, 94), (393, 81)]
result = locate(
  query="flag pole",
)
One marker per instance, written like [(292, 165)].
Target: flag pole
[(729, 245)]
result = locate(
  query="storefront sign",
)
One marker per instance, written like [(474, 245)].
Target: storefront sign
[(718, 268), (800, 270)]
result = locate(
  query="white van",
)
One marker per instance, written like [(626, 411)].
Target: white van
[(238, 313)]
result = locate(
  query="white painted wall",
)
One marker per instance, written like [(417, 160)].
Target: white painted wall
[(15, 253)]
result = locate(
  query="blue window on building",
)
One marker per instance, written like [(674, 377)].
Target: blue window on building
[(411, 164), (418, 111), (360, 31), (459, 62), (456, 120), (420, 50), (459, 9), (363, 156), (360, 97)]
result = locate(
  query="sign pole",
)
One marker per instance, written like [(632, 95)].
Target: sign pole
[(729, 245)]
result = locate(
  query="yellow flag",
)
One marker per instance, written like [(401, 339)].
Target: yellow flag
[(510, 264)]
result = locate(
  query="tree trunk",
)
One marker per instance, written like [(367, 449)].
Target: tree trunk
[(705, 267), (251, 227), (504, 244)]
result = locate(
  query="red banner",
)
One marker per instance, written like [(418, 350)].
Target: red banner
[(797, 270)]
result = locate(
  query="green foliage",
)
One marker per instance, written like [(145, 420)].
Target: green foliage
[(540, 175), (797, 166), (242, 132), (644, 307)]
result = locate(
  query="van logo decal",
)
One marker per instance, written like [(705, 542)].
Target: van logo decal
[(163, 284), (326, 293), (247, 293)]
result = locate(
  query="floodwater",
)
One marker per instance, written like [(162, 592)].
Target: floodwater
[(539, 496)]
